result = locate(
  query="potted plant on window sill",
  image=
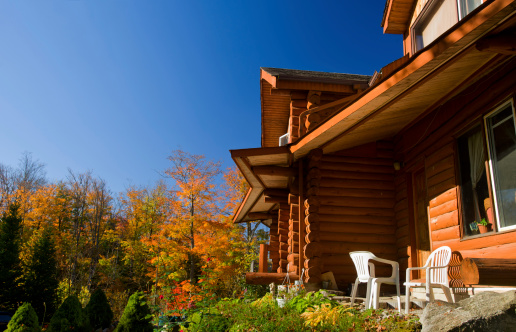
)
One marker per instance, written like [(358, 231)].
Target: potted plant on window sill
[(484, 226)]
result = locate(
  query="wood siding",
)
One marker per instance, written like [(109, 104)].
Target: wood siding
[(433, 141), (349, 207)]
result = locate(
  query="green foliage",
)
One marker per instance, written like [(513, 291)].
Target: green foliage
[(10, 268), (98, 310), (40, 278), (24, 320), (137, 315), (302, 302), (70, 316), (328, 315)]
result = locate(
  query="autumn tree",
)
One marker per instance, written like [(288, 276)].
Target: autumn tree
[(10, 267), (194, 179), (40, 275)]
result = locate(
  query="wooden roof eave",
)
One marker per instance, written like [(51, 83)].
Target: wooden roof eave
[(420, 67), (249, 162), (396, 16)]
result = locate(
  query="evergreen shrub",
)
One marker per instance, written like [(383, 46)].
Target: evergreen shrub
[(24, 320), (70, 316), (98, 310), (137, 315)]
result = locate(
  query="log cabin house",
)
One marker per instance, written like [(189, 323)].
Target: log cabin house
[(399, 163)]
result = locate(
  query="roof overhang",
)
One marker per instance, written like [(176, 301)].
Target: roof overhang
[(251, 163), (442, 69), (396, 16)]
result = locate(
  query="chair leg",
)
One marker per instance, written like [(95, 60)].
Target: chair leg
[(377, 295), (447, 293), (398, 294), (368, 294), (407, 298), (354, 291)]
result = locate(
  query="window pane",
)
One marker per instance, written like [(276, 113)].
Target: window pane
[(467, 6), (473, 181), (503, 156)]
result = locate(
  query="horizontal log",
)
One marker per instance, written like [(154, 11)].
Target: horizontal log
[(402, 241), (260, 278), (333, 227), (387, 203), (262, 215), (440, 177), (356, 237), (346, 218), (313, 262), (312, 250), (275, 199), (313, 228), (312, 237), (275, 171), (327, 174), (356, 160), (315, 154), (440, 188), (336, 247), (313, 200), (283, 231), (442, 165), (446, 233), (488, 271), (351, 167), (311, 209), (402, 231), (380, 271), (276, 192), (444, 221), (347, 192), (447, 196), (359, 211), (442, 209), (313, 272), (356, 184), (404, 252), (314, 173)]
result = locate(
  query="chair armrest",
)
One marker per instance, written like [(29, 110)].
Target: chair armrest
[(407, 276), (371, 269), (395, 265), (437, 267)]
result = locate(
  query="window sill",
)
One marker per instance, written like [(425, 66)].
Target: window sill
[(491, 233)]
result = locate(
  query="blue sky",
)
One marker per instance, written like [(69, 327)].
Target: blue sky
[(113, 86)]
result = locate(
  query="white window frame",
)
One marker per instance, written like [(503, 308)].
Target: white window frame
[(490, 161), (427, 8)]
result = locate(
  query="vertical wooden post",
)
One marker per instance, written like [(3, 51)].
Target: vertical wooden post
[(302, 227), (263, 260)]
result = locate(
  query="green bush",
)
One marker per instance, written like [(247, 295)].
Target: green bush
[(98, 310), (70, 316), (24, 319), (137, 315)]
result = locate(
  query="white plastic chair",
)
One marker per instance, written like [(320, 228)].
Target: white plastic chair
[(436, 267), (366, 274)]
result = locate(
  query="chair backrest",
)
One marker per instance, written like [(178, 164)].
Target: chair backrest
[(361, 260), (439, 257)]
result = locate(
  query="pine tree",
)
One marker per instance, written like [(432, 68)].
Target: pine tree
[(24, 320), (41, 281), (98, 310), (136, 316), (70, 316), (10, 268)]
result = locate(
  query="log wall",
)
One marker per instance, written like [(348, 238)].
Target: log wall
[(349, 207), (432, 140)]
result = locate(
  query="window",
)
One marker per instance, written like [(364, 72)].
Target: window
[(438, 16), (502, 157), (489, 193)]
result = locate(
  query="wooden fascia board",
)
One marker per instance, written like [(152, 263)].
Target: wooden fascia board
[(317, 86), (392, 7), (268, 77), (435, 54), (247, 204), (259, 151)]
